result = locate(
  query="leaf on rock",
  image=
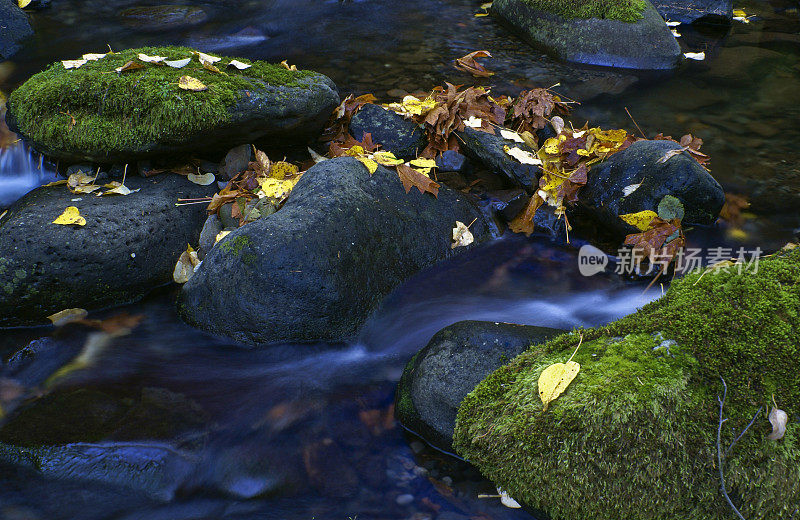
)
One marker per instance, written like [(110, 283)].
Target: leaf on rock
[(524, 223), (178, 64), (202, 180), (67, 316), (190, 83), (71, 216), (277, 189), (462, 236), (23, 3), (94, 57), (532, 109), (555, 379), (778, 419), (239, 65), (670, 208), (59, 182), (469, 64), (413, 106), (205, 57), (151, 59), (386, 159), (511, 136), (371, 165), (222, 234), (411, 178), (130, 66), (640, 220), (74, 64), (117, 188), (186, 266), (699, 56), (522, 156)]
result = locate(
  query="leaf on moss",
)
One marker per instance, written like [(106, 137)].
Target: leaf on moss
[(94, 57), (178, 64), (205, 57), (71, 216), (192, 84), (129, 67), (239, 65), (778, 419), (285, 65), (555, 379), (151, 59), (73, 64), (641, 219)]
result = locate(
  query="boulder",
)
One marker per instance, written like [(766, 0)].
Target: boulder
[(604, 196), (641, 421), (393, 132), (14, 27), (318, 267), (691, 11), (455, 360), (633, 36), (128, 246), (92, 114), (489, 149), (162, 17)]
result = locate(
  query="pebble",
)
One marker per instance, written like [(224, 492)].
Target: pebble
[(404, 499), (417, 447)]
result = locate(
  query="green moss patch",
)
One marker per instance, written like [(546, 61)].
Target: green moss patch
[(128, 110), (634, 435), (623, 10)]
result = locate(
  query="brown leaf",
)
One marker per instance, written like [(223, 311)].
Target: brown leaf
[(523, 223), (411, 177), (532, 109), (468, 64), (130, 66)]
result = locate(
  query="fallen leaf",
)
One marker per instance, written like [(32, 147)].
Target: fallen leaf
[(202, 180), (85, 188), (627, 190), (671, 208), (386, 159), (778, 419), (675, 33), (66, 316), (130, 66), (23, 3), (522, 156), (94, 57), (473, 122), (73, 64), (239, 65), (71, 216), (151, 59), (669, 155), (462, 236), (277, 189), (411, 177), (640, 220), (190, 83), (524, 223), (469, 64), (178, 64), (185, 268), (371, 165), (699, 56), (506, 500), (421, 162), (286, 66), (511, 136), (222, 234), (672, 24), (206, 57), (555, 379), (117, 188), (59, 182), (210, 67)]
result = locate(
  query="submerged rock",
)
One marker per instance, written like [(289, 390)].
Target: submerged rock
[(633, 36), (318, 267), (639, 422), (604, 195), (14, 27), (162, 17), (393, 132), (456, 359), (94, 114), (691, 11), (128, 246)]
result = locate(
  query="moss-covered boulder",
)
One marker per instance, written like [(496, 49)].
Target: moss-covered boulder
[(95, 114), (628, 34), (635, 434)]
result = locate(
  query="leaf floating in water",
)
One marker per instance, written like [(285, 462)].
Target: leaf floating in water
[(462, 236), (178, 64), (61, 318), (469, 64), (190, 83), (699, 56), (239, 65), (778, 419), (73, 64), (130, 66), (202, 180), (71, 216)]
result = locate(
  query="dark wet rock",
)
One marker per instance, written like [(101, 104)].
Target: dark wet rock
[(128, 246), (162, 17), (456, 359), (235, 162), (691, 11), (392, 131), (33, 364), (509, 203), (680, 176), (452, 161), (157, 470), (262, 104), (14, 27), (317, 268), (208, 235), (646, 44), (489, 149)]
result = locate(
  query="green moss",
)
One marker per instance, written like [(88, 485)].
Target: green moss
[(624, 10), (235, 245), (133, 109), (639, 422)]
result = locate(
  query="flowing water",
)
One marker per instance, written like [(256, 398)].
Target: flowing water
[(304, 431)]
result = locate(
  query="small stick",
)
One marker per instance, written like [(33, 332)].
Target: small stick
[(719, 450), (190, 203), (634, 122)]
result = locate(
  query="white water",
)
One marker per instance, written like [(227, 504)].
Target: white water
[(20, 172)]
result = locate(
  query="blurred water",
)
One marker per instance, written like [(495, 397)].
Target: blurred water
[(20, 172)]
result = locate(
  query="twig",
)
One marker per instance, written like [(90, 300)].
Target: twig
[(743, 432), (635, 123), (719, 449)]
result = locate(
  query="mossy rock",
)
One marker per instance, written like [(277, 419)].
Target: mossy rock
[(124, 117), (627, 34), (635, 434)]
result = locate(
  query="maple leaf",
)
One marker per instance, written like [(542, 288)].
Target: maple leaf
[(653, 244), (532, 109), (469, 64), (337, 128), (411, 178)]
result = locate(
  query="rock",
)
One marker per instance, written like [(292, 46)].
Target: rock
[(452, 161), (645, 42), (128, 246), (456, 359), (235, 162), (14, 27), (692, 11), (318, 267), (162, 17), (143, 113), (641, 418), (208, 235), (392, 131), (155, 469), (680, 176), (490, 150)]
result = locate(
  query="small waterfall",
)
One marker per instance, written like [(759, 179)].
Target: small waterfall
[(20, 172)]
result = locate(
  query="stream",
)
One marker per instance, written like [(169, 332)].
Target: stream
[(306, 431)]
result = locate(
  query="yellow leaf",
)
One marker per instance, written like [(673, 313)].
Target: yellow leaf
[(79, 179), (282, 169), (66, 316), (371, 165), (23, 3), (552, 146), (186, 266), (85, 188), (190, 83), (73, 64), (131, 65), (386, 159), (615, 136), (70, 216), (555, 379), (59, 182), (210, 67), (206, 57), (413, 106), (202, 180), (276, 189), (222, 234), (355, 151), (425, 164), (641, 220), (286, 66), (117, 188)]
